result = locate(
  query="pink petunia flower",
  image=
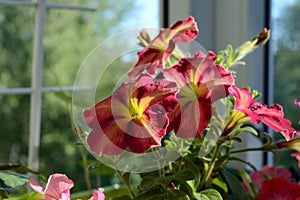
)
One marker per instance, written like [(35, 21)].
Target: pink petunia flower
[(134, 117), (155, 55), (201, 82), (297, 102), (97, 195), (297, 156), (279, 188), (271, 116), (57, 188)]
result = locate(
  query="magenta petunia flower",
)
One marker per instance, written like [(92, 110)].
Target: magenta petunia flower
[(201, 82), (279, 188), (297, 102), (258, 112), (57, 188), (134, 117), (155, 55)]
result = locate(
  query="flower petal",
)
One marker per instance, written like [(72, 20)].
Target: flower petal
[(271, 116), (58, 187), (185, 30), (36, 187), (134, 117), (297, 102), (97, 195), (279, 188), (297, 156), (201, 82), (270, 172), (155, 55)]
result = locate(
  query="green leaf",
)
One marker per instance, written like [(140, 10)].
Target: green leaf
[(123, 197), (183, 175), (148, 183), (33, 195), (177, 194), (235, 185), (249, 129), (152, 195), (209, 194), (101, 169), (13, 179), (220, 183), (186, 187), (190, 165), (247, 181), (243, 161), (17, 168)]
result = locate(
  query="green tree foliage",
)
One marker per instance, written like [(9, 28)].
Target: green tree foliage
[(287, 69), (69, 36), (286, 59)]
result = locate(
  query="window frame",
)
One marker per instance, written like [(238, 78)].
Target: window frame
[(233, 22)]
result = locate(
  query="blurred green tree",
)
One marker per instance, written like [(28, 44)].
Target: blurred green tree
[(287, 68), (69, 36)]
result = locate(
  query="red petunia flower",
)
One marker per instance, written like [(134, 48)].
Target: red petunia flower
[(158, 51), (279, 188), (201, 82), (258, 112), (134, 117), (268, 172)]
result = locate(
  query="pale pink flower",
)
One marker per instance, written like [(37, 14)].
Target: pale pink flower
[(57, 188), (97, 195)]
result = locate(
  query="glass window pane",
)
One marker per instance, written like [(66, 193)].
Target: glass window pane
[(16, 32), (14, 129), (69, 37), (285, 54)]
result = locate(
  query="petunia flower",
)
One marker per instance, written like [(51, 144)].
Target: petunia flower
[(201, 82), (297, 102), (57, 188), (268, 172), (279, 188), (97, 195), (160, 48), (258, 112), (134, 117), (297, 156)]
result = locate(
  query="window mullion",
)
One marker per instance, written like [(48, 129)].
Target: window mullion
[(36, 84)]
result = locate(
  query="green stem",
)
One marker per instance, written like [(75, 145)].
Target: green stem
[(127, 184), (85, 168), (211, 166), (249, 149)]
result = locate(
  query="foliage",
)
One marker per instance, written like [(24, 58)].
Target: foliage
[(63, 56), (287, 71)]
